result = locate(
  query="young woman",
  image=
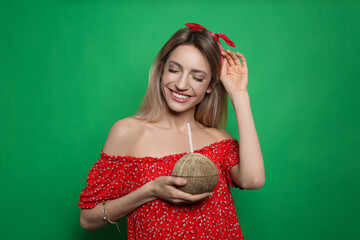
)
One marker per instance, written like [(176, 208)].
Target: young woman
[(188, 83)]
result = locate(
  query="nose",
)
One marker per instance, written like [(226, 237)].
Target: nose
[(182, 84)]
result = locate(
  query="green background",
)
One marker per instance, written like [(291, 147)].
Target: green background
[(70, 69)]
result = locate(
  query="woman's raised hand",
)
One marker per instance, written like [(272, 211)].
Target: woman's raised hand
[(165, 189), (234, 73)]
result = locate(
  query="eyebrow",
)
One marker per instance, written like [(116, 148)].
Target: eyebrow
[(193, 70)]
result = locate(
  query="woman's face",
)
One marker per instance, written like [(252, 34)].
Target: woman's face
[(186, 78)]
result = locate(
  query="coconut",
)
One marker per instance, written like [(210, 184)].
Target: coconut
[(200, 172)]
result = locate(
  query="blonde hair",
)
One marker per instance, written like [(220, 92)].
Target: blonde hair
[(212, 110)]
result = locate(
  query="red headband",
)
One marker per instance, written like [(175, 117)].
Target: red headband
[(196, 26)]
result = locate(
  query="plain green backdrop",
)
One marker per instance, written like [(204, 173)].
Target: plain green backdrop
[(70, 69)]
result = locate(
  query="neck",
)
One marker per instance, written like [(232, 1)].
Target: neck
[(178, 121)]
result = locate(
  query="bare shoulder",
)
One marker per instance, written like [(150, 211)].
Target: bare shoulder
[(219, 134), (224, 134), (122, 136)]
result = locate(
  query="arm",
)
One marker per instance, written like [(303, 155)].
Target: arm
[(93, 219), (161, 188), (249, 173)]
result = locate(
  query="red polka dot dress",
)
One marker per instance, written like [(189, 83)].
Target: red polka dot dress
[(112, 177)]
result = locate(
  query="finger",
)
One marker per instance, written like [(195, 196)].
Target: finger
[(189, 199), (192, 197), (234, 58), (231, 58), (242, 58), (224, 67), (176, 181), (228, 58), (201, 197)]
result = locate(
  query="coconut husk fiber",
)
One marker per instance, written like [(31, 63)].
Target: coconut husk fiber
[(200, 172)]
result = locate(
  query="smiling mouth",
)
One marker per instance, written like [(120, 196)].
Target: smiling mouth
[(179, 97)]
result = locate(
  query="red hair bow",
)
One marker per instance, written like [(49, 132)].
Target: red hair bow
[(196, 26)]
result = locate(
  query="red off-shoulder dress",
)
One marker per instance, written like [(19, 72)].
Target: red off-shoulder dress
[(214, 218)]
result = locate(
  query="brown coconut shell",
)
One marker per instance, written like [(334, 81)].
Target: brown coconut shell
[(200, 172)]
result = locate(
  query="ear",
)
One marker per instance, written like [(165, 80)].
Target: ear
[(211, 86)]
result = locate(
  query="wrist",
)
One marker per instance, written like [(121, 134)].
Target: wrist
[(238, 94), (150, 191)]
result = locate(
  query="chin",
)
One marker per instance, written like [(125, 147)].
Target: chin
[(179, 109)]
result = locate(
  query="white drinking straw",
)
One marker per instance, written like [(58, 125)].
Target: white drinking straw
[(190, 141)]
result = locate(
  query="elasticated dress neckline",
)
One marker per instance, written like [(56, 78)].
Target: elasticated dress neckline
[(162, 158), (114, 176)]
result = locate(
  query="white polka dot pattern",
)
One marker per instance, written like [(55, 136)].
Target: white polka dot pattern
[(215, 218)]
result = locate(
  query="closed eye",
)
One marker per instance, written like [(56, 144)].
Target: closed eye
[(172, 70), (198, 79)]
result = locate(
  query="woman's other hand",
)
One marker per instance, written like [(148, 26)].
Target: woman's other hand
[(165, 188), (234, 73)]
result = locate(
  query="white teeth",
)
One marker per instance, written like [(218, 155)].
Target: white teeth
[(180, 96)]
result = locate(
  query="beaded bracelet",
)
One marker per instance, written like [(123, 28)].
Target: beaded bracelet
[(107, 219)]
